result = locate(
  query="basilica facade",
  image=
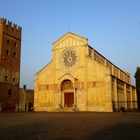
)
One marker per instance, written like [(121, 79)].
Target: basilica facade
[(78, 78)]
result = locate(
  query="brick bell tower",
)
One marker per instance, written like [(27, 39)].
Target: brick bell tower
[(10, 48)]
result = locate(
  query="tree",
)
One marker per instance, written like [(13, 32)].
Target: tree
[(137, 77)]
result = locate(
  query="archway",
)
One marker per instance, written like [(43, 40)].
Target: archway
[(30, 106), (68, 92)]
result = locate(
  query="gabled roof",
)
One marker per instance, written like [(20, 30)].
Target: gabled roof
[(43, 68), (70, 39)]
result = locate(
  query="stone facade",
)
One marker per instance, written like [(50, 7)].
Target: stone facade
[(26, 99), (79, 78), (10, 47)]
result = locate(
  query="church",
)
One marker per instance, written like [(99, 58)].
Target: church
[(78, 78)]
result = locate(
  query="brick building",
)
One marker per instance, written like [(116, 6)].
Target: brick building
[(10, 50)]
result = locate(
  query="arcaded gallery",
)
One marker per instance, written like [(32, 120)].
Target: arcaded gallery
[(78, 78)]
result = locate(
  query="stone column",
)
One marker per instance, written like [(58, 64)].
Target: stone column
[(75, 98), (131, 97), (115, 96), (125, 96), (135, 96)]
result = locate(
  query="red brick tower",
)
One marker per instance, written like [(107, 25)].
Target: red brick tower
[(10, 47)]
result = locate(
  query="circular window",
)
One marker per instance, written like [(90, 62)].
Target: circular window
[(68, 58)]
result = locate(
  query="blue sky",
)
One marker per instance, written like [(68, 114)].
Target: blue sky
[(111, 26)]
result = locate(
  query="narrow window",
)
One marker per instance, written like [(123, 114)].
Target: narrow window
[(6, 78), (9, 92), (90, 53), (15, 54), (14, 79), (7, 41), (15, 44), (7, 52)]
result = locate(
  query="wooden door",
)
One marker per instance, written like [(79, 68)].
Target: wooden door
[(69, 99)]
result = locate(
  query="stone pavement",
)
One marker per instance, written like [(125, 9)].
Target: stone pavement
[(69, 126)]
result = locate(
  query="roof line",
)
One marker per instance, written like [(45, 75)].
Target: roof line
[(69, 33), (110, 61), (43, 68)]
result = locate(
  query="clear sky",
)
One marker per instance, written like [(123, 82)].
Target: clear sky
[(111, 26)]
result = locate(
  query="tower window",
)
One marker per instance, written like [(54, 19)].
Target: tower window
[(15, 44), (14, 79), (7, 52), (15, 54), (9, 92), (6, 78), (8, 42)]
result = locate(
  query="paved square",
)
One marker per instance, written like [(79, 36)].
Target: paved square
[(69, 126)]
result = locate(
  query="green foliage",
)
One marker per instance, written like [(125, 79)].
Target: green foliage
[(137, 77)]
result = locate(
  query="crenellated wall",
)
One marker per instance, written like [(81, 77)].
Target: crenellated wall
[(10, 28), (10, 52)]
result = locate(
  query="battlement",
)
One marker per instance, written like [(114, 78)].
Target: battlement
[(10, 28)]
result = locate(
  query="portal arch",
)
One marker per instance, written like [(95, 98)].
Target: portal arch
[(66, 85), (67, 92)]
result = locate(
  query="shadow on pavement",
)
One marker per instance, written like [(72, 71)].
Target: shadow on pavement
[(119, 132)]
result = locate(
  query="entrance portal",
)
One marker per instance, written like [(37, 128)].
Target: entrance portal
[(68, 92), (69, 99)]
